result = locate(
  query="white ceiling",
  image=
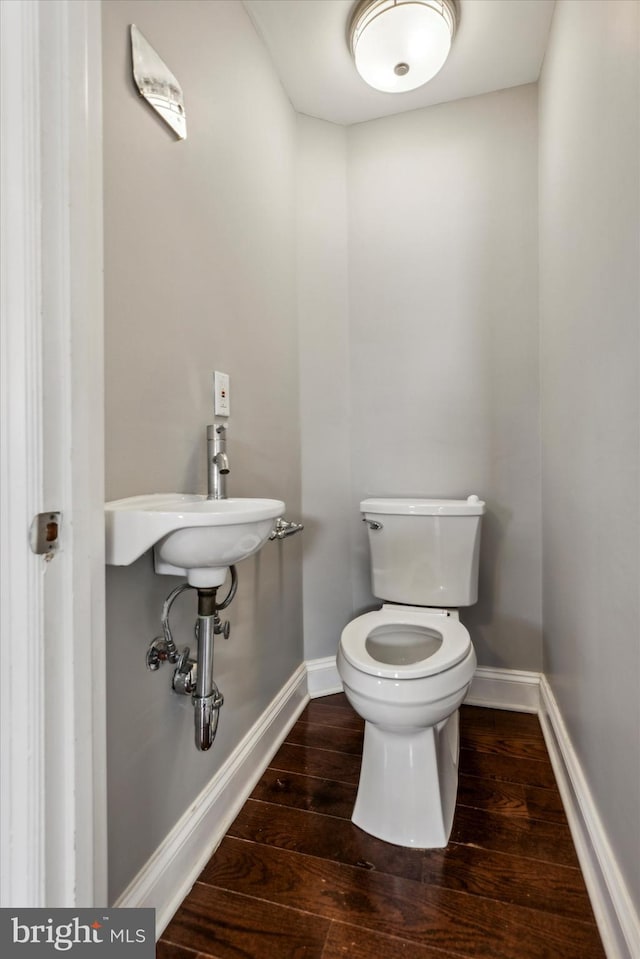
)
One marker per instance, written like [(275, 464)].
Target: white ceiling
[(499, 44)]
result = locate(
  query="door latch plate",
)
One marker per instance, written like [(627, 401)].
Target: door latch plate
[(44, 535)]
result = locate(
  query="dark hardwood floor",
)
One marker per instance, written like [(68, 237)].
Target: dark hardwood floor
[(295, 878)]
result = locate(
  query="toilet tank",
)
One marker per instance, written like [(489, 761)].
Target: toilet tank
[(424, 552)]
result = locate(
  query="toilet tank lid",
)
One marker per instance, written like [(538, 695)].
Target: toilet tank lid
[(471, 506)]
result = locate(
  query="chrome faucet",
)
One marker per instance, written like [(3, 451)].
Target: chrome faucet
[(217, 462)]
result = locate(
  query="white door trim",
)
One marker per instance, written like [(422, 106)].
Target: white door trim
[(21, 593), (53, 760)]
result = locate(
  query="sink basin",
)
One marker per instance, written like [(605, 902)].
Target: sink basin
[(191, 535)]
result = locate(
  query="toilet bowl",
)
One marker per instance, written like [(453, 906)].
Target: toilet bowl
[(406, 670)]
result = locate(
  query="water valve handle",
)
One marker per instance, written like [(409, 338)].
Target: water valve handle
[(184, 676)]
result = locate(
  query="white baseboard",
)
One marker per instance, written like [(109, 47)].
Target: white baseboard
[(505, 689), (322, 677), (617, 918), (171, 871), (497, 688)]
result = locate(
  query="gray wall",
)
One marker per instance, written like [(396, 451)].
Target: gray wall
[(590, 304), (325, 391), (442, 365), (199, 275), (444, 352)]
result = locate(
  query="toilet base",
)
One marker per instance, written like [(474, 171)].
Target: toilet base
[(408, 783)]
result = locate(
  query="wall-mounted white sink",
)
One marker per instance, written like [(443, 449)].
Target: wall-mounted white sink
[(191, 535)]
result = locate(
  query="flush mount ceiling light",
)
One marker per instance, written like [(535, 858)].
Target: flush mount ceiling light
[(398, 45)]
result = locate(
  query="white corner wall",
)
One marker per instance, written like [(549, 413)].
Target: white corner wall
[(443, 340), (417, 295), (199, 275), (325, 392), (589, 317)]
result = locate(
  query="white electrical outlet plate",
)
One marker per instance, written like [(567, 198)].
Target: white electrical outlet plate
[(221, 402)]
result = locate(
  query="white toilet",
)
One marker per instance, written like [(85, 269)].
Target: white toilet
[(406, 667)]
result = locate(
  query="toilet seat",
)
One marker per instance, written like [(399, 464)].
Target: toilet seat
[(454, 646)]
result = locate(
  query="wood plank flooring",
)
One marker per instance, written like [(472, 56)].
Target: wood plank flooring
[(295, 879)]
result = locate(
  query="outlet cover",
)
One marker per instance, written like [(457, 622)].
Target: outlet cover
[(221, 399)]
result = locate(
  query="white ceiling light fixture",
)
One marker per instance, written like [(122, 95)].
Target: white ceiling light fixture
[(398, 45)]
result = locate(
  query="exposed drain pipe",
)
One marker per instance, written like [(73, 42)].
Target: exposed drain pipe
[(207, 698), (195, 677)]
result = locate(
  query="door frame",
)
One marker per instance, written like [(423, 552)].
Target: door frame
[(52, 630)]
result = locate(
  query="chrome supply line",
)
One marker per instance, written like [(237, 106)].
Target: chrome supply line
[(163, 648), (194, 677)]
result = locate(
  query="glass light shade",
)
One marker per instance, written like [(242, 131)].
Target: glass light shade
[(399, 45)]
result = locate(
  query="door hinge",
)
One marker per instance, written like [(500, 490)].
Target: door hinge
[(44, 535)]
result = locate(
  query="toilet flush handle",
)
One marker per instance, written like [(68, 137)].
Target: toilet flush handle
[(372, 523)]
